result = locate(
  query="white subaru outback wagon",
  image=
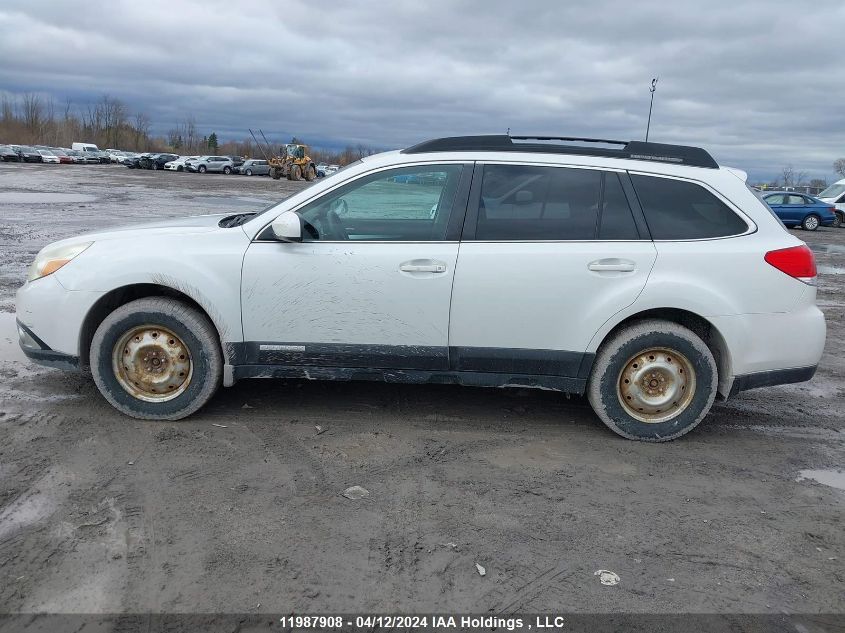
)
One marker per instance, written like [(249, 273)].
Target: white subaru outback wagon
[(643, 275)]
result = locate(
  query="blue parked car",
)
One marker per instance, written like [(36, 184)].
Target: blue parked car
[(799, 209)]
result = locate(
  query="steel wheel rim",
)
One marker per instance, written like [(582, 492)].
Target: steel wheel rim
[(811, 222), (656, 385), (152, 363)]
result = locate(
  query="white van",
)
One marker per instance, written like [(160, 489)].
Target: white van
[(835, 195), (85, 147)]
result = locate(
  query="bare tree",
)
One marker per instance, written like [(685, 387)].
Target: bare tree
[(839, 166), (141, 130), (33, 113), (792, 178)]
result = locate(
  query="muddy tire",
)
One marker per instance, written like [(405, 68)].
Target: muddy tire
[(275, 174), (310, 173), (295, 172), (157, 359), (653, 381)]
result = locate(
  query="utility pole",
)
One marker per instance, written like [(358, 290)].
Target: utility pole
[(651, 90)]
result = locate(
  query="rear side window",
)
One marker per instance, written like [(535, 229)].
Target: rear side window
[(523, 202), (679, 210)]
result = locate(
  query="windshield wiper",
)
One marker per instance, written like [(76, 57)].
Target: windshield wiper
[(235, 220)]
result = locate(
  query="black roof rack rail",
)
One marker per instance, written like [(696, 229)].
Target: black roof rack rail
[(634, 150)]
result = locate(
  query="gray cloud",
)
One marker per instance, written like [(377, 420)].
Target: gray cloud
[(755, 82)]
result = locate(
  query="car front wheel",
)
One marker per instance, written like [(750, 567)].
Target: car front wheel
[(156, 359), (653, 381)]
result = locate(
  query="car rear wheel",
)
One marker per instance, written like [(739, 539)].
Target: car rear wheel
[(653, 381), (227, 170), (811, 222), (839, 222), (156, 359)]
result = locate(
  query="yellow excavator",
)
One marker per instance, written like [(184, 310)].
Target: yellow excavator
[(292, 162)]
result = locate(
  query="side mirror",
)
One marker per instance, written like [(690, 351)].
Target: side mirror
[(288, 227)]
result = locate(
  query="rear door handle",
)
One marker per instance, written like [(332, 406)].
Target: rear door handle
[(418, 267), (612, 265)]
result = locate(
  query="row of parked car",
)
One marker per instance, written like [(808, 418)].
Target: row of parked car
[(209, 164), (86, 153), (54, 155)]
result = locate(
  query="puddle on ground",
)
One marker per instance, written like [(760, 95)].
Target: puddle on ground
[(832, 478), (26, 197), (10, 350), (830, 270), (835, 249)]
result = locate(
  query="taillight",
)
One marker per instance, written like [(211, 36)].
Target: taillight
[(796, 261)]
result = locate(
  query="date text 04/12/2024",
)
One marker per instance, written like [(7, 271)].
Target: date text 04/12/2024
[(422, 622)]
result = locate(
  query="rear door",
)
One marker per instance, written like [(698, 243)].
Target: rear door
[(548, 255), (795, 207)]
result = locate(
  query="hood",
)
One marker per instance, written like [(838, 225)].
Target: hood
[(176, 226)]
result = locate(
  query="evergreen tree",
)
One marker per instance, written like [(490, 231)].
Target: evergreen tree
[(212, 142)]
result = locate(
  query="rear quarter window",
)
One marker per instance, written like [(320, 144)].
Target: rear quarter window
[(680, 210)]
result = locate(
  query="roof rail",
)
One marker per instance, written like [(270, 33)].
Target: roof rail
[(634, 150)]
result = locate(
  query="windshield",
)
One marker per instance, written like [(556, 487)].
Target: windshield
[(330, 178), (833, 191)]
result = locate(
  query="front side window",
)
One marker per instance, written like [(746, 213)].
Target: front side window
[(526, 202), (680, 210), (403, 204)]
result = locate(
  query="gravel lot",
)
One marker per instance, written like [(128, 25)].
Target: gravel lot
[(240, 506)]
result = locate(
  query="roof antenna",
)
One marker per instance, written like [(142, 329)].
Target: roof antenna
[(651, 90)]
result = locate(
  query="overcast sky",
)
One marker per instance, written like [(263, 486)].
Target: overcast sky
[(757, 82)]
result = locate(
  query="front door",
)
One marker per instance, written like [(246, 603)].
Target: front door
[(370, 284), (554, 253)]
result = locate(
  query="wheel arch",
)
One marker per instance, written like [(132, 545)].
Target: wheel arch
[(703, 328), (117, 297)]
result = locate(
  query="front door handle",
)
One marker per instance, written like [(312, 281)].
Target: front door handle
[(422, 266), (612, 265)]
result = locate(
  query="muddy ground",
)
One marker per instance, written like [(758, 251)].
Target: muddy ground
[(238, 508)]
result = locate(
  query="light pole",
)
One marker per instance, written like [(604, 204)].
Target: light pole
[(651, 90)]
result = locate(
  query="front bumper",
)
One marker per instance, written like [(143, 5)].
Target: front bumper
[(50, 320), (39, 352)]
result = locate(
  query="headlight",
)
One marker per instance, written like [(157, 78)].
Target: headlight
[(51, 258)]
